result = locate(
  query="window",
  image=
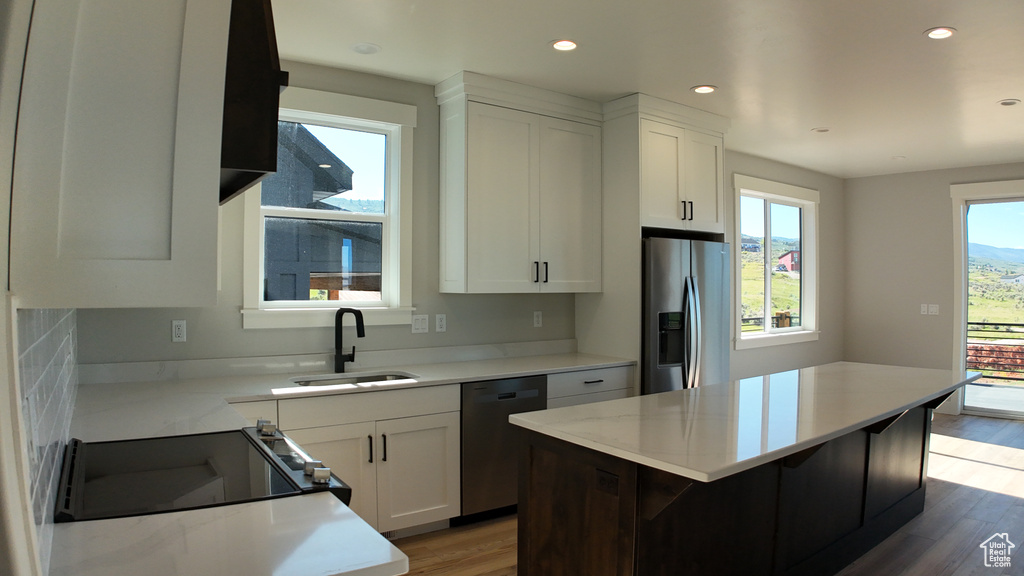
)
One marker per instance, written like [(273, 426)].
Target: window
[(776, 262), (331, 227)]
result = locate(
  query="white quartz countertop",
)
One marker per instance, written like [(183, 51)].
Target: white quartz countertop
[(715, 431), (293, 536), (307, 535), (166, 408)]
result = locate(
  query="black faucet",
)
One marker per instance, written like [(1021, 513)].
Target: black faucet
[(339, 357)]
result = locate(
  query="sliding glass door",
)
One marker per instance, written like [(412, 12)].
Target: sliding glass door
[(995, 307)]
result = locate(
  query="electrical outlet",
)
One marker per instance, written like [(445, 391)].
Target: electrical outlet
[(177, 330), (538, 319), (933, 309), (440, 323), (924, 309), (420, 323)]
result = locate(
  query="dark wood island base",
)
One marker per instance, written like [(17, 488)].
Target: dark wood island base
[(583, 512)]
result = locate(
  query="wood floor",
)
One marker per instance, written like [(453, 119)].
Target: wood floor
[(975, 490)]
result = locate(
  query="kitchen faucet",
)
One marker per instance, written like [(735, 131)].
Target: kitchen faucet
[(339, 357)]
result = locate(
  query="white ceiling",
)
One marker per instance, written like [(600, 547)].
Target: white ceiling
[(862, 68)]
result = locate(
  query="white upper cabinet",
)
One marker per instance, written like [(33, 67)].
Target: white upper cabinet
[(680, 163), (681, 178), (118, 154), (520, 189)]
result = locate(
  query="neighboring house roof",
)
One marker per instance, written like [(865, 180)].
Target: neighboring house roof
[(331, 176)]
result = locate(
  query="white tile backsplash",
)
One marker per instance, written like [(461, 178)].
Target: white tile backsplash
[(47, 345)]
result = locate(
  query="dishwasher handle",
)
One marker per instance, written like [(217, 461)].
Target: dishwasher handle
[(503, 396)]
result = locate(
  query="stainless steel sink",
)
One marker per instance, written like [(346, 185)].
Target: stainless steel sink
[(364, 379)]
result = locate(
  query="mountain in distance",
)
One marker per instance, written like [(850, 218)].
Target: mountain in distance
[(746, 239), (1014, 255)]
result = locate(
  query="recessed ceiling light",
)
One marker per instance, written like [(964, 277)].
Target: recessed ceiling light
[(365, 48), (820, 129), (563, 45), (325, 165), (704, 89), (1009, 102), (940, 32)]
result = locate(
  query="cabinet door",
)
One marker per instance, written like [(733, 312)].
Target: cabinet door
[(896, 462), (681, 178), (704, 188), (662, 181), (418, 470), (118, 154), (570, 206), (348, 450), (503, 183), (831, 478)]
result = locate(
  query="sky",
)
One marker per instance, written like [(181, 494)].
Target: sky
[(363, 152), (785, 219), (1000, 224)]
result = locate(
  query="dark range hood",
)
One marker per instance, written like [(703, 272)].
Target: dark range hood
[(252, 91)]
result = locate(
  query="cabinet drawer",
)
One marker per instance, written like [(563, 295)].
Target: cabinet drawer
[(298, 413), (589, 381), (587, 398)]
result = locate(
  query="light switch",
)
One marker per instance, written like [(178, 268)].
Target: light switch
[(924, 308), (420, 323)]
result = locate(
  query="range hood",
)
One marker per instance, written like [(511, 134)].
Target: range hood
[(252, 90)]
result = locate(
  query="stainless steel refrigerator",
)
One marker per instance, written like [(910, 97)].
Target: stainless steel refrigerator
[(686, 314)]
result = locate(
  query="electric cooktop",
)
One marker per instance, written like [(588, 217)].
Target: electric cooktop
[(173, 473)]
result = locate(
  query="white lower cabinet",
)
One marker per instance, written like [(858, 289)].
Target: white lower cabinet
[(404, 471), (418, 471), (346, 450)]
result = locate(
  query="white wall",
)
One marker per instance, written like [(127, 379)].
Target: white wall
[(18, 555), (899, 255), (144, 334), (831, 268)]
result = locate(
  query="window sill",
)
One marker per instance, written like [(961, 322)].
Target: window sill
[(778, 339), (254, 318)]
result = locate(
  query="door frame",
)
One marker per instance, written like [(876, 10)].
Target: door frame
[(961, 195)]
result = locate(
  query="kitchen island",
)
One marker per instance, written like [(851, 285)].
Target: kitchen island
[(792, 473)]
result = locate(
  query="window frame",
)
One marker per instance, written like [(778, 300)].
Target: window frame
[(807, 201), (398, 122)]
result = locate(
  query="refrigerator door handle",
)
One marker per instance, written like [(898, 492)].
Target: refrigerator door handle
[(689, 333), (698, 333)]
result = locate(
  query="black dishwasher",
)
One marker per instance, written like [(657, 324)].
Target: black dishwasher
[(490, 445)]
